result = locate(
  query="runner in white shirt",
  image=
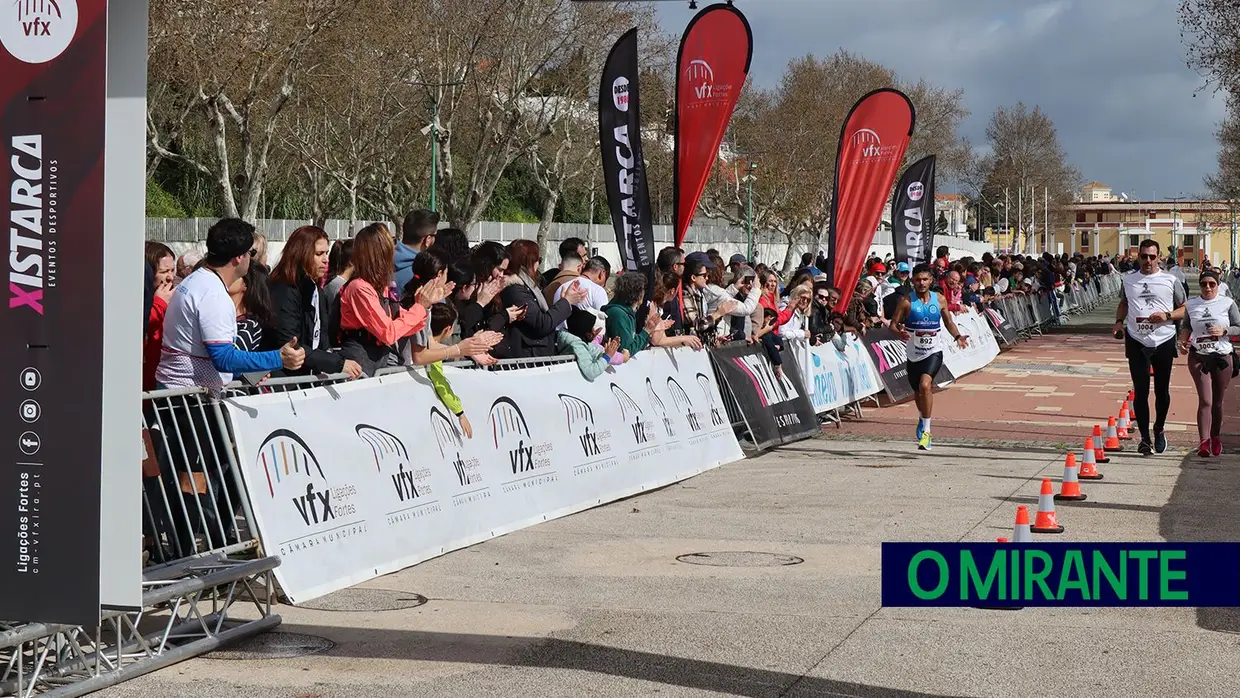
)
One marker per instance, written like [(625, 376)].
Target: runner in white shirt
[(1212, 318), (1150, 303)]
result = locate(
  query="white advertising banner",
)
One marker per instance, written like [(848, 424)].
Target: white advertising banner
[(353, 481), (982, 347), (836, 377)]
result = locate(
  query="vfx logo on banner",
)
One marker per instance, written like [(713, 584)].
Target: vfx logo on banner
[(685, 405), (595, 442), (288, 462), (643, 429), (701, 80), (37, 31), (660, 408), (512, 433), (410, 485), (871, 148), (703, 381), (468, 470)]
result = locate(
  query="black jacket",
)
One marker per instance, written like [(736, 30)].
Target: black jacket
[(533, 335), (293, 314)]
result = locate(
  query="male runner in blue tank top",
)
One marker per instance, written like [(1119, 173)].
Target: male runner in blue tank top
[(917, 320)]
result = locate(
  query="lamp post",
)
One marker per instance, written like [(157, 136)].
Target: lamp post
[(749, 179), (433, 130), (1175, 220)]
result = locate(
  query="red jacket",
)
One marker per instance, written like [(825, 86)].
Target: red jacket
[(153, 346), (768, 301)]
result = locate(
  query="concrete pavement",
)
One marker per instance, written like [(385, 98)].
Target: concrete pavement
[(597, 604)]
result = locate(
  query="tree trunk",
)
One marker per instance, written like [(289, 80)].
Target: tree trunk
[(548, 217), (788, 254)]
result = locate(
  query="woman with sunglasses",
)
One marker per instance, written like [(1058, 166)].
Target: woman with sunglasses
[(1150, 303), (1212, 318)]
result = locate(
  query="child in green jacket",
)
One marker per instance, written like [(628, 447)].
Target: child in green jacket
[(592, 358), (443, 321)]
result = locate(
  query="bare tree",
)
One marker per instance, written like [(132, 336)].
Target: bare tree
[(500, 72), (228, 70), (569, 152), (1225, 182), (356, 108), (1027, 158), (792, 132), (1210, 30)]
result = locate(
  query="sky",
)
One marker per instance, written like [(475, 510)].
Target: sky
[(1111, 74)]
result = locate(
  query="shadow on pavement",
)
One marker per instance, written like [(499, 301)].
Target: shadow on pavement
[(553, 653), (1202, 507)]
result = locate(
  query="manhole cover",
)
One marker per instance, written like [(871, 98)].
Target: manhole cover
[(275, 645), (740, 559), (365, 600)]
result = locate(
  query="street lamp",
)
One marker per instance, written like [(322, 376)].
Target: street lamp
[(432, 129), (749, 179)]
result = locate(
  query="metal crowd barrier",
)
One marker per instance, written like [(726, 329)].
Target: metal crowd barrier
[(1033, 313), (205, 580)]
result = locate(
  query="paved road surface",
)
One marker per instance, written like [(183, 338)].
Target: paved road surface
[(598, 605)]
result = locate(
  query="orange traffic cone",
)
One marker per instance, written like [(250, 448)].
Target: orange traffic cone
[(1089, 463), (1045, 521), (1112, 444), (1070, 488), (1132, 395), (1020, 532), (1122, 425), (1100, 453)]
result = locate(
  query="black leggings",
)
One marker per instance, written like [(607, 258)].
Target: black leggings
[(928, 366), (1140, 359)]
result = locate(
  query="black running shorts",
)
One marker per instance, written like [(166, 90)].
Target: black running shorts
[(928, 366)]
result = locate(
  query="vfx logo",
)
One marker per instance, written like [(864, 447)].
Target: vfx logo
[(448, 438), (389, 452), (580, 418), (36, 31), (660, 408), (629, 409), (703, 381), (286, 456), (512, 433), (681, 398)]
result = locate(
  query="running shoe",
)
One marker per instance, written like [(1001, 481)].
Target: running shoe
[(1203, 451), (919, 430), (1216, 446), (923, 441), (1144, 448), (1160, 442)]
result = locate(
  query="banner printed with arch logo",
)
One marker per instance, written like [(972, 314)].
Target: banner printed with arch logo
[(293, 473), (595, 443), (415, 496), (641, 427), (432, 440), (468, 468), (684, 405), (657, 403), (510, 432)]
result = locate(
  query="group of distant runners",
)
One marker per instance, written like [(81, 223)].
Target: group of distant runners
[(1153, 302)]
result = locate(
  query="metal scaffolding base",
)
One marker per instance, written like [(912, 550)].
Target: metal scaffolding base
[(189, 609)]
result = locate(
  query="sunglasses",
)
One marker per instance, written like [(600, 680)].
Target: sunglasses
[(1149, 256), (824, 299), (700, 273)]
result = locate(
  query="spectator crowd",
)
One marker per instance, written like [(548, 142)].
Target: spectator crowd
[(421, 295)]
